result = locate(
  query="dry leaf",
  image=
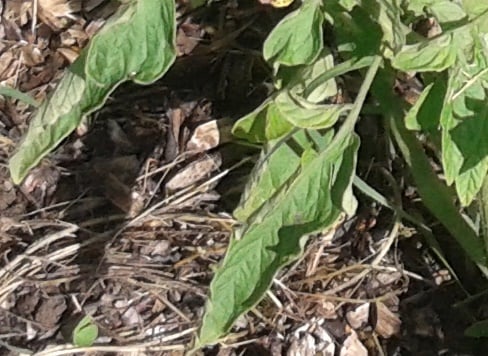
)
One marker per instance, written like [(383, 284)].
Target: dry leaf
[(7, 65), (210, 135), (358, 317), (54, 13), (195, 171), (50, 311), (176, 120), (188, 37), (93, 27), (353, 346), (70, 54), (31, 56), (388, 323)]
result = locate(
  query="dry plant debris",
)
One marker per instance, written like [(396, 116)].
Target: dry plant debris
[(124, 222)]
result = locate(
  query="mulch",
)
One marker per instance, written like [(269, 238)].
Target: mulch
[(128, 218)]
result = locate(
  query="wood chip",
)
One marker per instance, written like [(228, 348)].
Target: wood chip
[(195, 171), (353, 346), (210, 135), (388, 323), (358, 317)]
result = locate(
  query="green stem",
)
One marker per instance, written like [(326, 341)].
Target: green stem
[(483, 202), (340, 69), (348, 126), (435, 194)]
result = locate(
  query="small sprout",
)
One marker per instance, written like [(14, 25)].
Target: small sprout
[(85, 333)]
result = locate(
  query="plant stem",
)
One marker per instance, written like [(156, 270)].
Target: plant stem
[(340, 69), (435, 194), (483, 207), (348, 126)]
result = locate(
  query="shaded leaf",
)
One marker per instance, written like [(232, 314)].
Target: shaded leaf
[(425, 113), (263, 124), (478, 329), (464, 124), (387, 14), (434, 193), (412, 119)]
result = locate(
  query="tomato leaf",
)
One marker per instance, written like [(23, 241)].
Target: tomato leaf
[(298, 38), (310, 200), (138, 43)]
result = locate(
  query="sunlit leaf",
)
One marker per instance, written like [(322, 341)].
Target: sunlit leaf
[(302, 77), (464, 123), (310, 200), (447, 11), (85, 333), (433, 55), (277, 164), (138, 43), (303, 114), (349, 4), (298, 38)]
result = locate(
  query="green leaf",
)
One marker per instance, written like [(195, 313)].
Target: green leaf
[(263, 124), (434, 55), (348, 4), (311, 200), (425, 113), (277, 164), (18, 95), (85, 333), (412, 117), (464, 124), (298, 38), (303, 114), (447, 11), (339, 69), (387, 14), (418, 6), (144, 36), (434, 193), (306, 75), (478, 329), (475, 7), (358, 34), (444, 11), (137, 45)]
